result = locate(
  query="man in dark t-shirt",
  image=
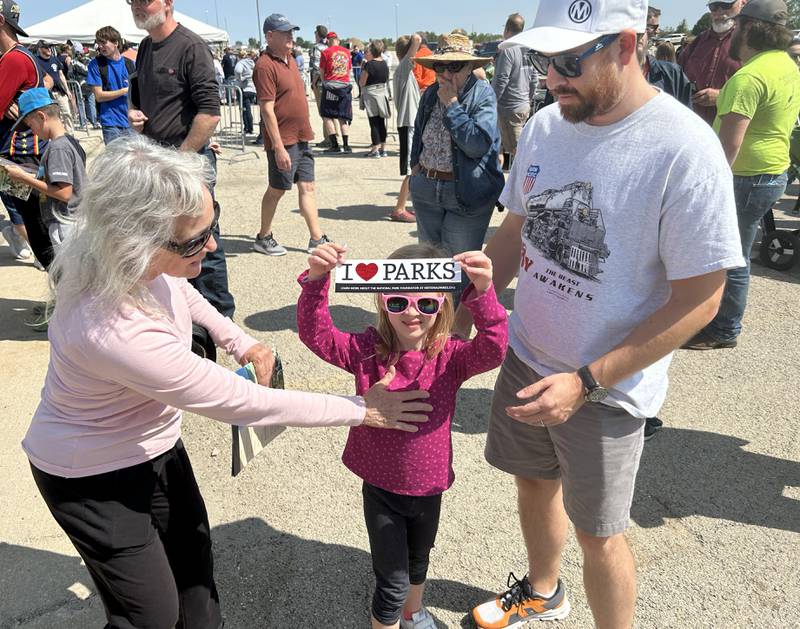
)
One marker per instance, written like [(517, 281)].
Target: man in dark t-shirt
[(175, 101)]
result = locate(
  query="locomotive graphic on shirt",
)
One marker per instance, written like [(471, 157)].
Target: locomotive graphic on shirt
[(563, 226)]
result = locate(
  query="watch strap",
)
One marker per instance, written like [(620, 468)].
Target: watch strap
[(589, 383)]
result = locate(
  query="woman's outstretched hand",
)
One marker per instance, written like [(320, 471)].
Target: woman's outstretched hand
[(397, 410)]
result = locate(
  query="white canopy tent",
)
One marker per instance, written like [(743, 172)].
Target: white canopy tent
[(81, 23)]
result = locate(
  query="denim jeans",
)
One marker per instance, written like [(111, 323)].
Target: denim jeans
[(212, 283), (755, 196), (248, 100), (90, 107), (442, 221), (112, 133)]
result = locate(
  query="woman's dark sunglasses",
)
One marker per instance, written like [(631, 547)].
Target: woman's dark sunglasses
[(569, 65), (196, 244), (454, 66)]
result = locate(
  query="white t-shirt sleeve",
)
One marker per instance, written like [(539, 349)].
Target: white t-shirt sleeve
[(698, 230)]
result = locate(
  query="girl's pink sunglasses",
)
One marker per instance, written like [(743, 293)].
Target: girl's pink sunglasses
[(398, 304)]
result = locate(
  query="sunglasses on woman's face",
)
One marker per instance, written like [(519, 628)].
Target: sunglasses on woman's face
[(398, 304), (454, 66), (569, 66), (195, 245)]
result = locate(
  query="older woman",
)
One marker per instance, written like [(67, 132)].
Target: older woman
[(375, 97), (456, 179), (104, 444)]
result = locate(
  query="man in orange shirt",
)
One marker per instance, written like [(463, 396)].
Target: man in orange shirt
[(425, 76)]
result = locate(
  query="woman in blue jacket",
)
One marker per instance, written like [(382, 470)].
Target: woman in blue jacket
[(456, 178)]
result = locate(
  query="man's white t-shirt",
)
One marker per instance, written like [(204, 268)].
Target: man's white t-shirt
[(613, 214)]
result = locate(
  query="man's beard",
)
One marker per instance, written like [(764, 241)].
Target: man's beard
[(601, 98), (151, 21), (723, 25)]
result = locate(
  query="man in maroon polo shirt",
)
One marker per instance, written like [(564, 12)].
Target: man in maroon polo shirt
[(707, 62), (287, 132)]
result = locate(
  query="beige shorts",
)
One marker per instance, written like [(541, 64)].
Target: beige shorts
[(595, 454), (511, 126)]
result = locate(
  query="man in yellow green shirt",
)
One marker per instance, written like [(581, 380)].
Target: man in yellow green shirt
[(756, 112)]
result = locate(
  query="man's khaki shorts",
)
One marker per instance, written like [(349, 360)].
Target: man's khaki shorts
[(595, 453), (511, 126)]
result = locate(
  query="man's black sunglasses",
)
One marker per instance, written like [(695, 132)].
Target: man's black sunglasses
[(719, 6), (569, 65), (454, 66), (196, 244)]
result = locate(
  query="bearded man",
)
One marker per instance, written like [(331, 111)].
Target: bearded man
[(175, 101), (623, 256), (707, 61)]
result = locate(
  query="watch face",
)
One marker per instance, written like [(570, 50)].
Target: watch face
[(597, 395)]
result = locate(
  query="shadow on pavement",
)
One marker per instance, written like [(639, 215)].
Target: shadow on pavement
[(346, 318), (689, 472), (262, 575), (13, 313), (35, 582), (355, 212)]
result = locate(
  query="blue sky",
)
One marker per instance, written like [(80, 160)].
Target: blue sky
[(361, 19)]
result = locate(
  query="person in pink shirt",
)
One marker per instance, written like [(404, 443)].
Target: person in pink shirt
[(104, 444), (405, 475)]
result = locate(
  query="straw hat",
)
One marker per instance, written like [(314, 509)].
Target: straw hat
[(453, 47)]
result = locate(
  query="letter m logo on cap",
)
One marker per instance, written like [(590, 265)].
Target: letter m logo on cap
[(580, 11)]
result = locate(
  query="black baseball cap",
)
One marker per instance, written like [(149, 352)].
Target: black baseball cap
[(10, 11), (276, 22), (772, 11)]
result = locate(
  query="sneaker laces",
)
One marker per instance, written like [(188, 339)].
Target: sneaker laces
[(518, 591)]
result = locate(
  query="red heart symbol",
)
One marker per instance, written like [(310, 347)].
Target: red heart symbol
[(367, 271)]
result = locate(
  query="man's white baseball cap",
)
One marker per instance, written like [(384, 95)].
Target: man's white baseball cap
[(566, 24)]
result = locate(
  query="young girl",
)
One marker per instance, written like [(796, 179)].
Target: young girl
[(405, 473)]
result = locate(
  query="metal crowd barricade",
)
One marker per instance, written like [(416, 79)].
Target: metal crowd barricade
[(80, 121), (230, 130)]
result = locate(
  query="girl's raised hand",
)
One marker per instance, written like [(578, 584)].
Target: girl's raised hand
[(478, 268), (324, 258)]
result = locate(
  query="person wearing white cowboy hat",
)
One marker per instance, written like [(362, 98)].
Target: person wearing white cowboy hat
[(456, 178), (621, 203)]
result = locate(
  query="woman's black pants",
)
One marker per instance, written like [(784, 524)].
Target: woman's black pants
[(143, 533)]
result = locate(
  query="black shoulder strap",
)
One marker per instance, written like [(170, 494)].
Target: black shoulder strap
[(102, 67), (78, 148)]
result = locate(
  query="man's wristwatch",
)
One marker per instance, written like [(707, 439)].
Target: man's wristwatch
[(594, 392)]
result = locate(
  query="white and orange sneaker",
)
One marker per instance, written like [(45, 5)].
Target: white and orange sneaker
[(519, 605)]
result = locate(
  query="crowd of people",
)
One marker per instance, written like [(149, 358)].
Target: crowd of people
[(640, 162)]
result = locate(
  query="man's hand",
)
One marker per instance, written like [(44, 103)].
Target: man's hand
[(215, 148), (556, 399), (136, 118), (263, 361), (12, 113), (706, 97), (448, 92), (282, 159)]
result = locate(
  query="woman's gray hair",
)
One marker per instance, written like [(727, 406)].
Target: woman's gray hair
[(134, 192)]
